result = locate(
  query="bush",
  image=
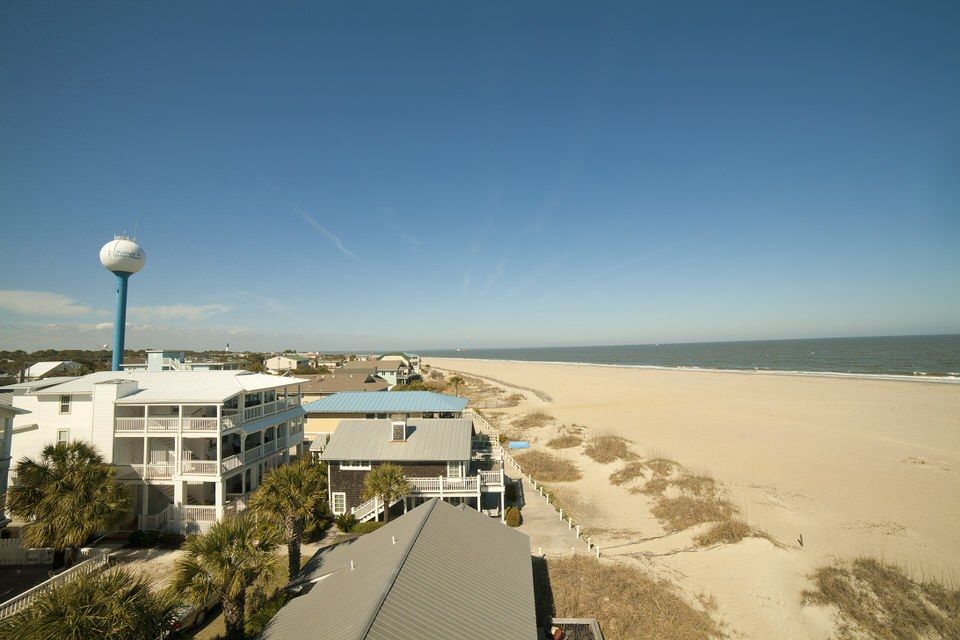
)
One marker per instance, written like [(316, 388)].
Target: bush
[(565, 442), (345, 522), (155, 540), (606, 449), (512, 517), (546, 467), (366, 527), (533, 420)]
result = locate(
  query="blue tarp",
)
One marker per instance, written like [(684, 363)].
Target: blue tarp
[(518, 444)]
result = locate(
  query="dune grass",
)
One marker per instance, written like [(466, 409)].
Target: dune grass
[(546, 467), (606, 449), (533, 420), (730, 531), (880, 601), (682, 512), (627, 602), (567, 441)]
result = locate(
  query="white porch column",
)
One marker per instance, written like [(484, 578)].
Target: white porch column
[(178, 493), (178, 441), (219, 498)]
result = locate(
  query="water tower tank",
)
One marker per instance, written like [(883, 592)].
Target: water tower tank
[(122, 255)]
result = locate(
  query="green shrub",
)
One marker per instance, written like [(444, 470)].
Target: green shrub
[(512, 517), (366, 527), (345, 522), (155, 540)]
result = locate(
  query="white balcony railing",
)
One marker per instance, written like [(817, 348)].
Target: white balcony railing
[(162, 424), (441, 485), (206, 467), (252, 454), (200, 424), (230, 463), (198, 514), (130, 424), (269, 447), (144, 471), (491, 478)]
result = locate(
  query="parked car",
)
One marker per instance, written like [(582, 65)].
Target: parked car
[(191, 615)]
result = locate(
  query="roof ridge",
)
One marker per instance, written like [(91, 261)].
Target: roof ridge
[(399, 568)]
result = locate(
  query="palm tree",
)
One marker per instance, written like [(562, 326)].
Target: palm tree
[(388, 483), (287, 499), (113, 605), (227, 561), (456, 381), (67, 495)]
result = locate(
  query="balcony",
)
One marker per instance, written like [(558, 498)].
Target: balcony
[(139, 471), (198, 467), (443, 486), (229, 419)]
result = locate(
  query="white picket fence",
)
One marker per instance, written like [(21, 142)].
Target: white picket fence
[(574, 529), (12, 553), (99, 559)]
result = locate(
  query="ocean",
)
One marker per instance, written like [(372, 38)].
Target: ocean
[(913, 356)]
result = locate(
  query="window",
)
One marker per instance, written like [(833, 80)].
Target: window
[(64, 404), (339, 503), (453, 469), (63, 435), (355, 465)]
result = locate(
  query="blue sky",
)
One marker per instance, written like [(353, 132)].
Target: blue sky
[(416, 175)]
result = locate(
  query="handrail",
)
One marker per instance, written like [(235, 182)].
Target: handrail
[(22, 601)]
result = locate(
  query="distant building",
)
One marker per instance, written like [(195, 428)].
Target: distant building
[(437, 456), (393, 371), (326, 384), (51, 369), (323, 416), (164, 360), (437, 572), (287, 362), (190, 444), (7, 413), (411, 360)]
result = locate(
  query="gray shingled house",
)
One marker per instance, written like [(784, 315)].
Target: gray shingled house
[(438, 572), (441, 458)]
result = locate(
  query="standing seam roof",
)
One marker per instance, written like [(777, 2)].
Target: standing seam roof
[(386, 402)]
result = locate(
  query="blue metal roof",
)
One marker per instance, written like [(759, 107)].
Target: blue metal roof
[(386, 402)]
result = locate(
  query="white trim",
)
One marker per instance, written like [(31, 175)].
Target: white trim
[(355, 465), (64, 440), (68, 403)]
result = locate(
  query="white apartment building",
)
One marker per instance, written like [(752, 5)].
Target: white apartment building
[(191, 444), (7, 412), (287, 362)]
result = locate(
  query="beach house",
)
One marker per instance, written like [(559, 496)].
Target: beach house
[(190, 444), (287, 362), (323, 415), (7, 413), (393, 371), (327, 384), (50, 369), (440, 457), (436, 573), (410, 360)]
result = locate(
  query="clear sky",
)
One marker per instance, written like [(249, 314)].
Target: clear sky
[(454, 174)]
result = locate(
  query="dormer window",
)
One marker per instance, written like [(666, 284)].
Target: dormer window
[(399, 431)]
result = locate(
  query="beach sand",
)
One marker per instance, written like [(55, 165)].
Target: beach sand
[(854, 465)]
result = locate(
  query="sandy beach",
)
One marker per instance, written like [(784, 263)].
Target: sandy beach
[(853, 465)]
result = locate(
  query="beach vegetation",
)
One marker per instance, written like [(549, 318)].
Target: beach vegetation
[(65, 496), (534, 420), (512, 517), (547, 467), (116, 604), (606, 448), (345, 522), (456, 381), (880, 601), (386, 482), (566, 441), (684, 511), (729, 531), (233, 561), (366, 527), (287, 500), (627, 602)]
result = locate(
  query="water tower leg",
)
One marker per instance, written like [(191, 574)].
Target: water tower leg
[(120, 320)]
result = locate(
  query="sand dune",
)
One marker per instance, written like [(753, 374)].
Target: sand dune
[(853, 465)]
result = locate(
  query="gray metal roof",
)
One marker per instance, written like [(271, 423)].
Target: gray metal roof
[(386, 402), (336, 382), (38, 384), (427, 439), (436, 573)]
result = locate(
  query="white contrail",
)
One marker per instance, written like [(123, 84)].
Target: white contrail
[(322, 229)]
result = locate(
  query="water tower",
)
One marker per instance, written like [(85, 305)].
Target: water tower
[(124, 257)]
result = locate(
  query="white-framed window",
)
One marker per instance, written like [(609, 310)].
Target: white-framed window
[(63, 435), (339, 503), (355, 465), (64, 404), (453, 469)]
